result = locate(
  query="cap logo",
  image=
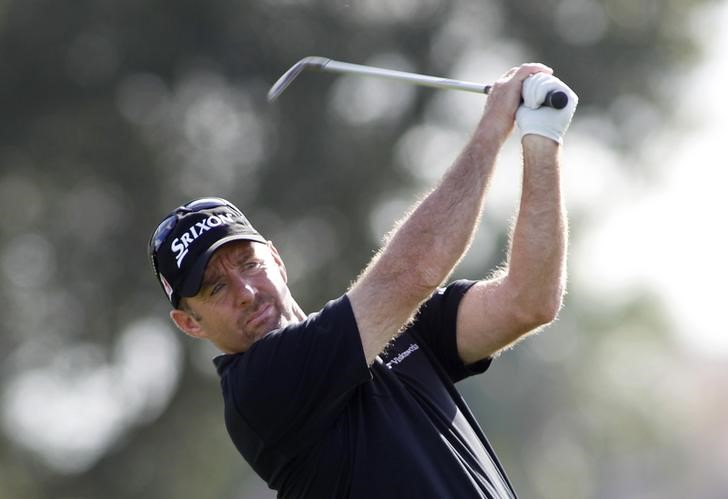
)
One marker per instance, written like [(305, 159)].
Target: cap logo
[(167, 287), (180, 245)]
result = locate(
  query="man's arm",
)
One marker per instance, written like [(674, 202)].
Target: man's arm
[(424, 248), (528, 292)]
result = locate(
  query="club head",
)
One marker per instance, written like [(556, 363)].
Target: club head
[(311, 62)]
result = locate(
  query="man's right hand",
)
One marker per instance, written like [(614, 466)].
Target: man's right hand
[(505, 98)]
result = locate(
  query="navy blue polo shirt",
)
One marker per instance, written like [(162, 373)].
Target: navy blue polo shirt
[(314, 421)]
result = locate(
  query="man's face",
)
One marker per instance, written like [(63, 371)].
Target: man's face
[(243, 297)]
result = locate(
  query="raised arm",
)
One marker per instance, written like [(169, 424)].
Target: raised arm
[(426, 245), (528, 292)]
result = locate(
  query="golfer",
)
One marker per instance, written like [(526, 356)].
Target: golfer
[(357, 400)]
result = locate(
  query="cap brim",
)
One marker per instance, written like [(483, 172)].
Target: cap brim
[(192, 284)]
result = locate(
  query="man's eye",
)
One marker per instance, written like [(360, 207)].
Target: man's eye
[(216, 288), (252, 265)]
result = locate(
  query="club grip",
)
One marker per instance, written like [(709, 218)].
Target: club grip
[(556, 99)]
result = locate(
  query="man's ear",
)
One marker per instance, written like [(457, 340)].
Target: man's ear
[(187, 323), (279, 261)]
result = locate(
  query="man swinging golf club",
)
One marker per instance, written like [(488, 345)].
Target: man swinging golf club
[(357, 400)]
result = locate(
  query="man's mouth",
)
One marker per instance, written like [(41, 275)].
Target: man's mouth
[(261, 315)]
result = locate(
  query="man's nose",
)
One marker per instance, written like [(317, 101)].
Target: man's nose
[(244, 290)]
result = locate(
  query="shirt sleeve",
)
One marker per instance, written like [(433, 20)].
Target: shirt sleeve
[(291, 385), (436, 326)]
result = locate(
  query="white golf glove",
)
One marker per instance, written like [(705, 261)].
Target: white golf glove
[(531, 117)]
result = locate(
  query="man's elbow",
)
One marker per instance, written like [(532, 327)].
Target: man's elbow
[(548, 312), (541, 310)]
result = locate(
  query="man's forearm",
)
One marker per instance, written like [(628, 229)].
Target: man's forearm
[(430, 241), (537, 256)]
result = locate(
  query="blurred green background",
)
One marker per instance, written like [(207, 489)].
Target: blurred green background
[(115, 112)]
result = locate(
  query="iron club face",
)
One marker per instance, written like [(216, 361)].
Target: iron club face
[(312, 62)]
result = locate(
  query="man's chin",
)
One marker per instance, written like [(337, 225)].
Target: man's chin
[(264, 331)]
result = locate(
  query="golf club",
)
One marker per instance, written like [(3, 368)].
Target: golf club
[(556, 99)]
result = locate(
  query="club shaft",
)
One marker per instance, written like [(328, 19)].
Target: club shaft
[(332, 66), (556, 99)]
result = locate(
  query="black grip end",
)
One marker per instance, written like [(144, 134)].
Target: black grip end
[(556, 99)]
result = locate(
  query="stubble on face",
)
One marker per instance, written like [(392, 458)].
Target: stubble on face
[(244, 296)]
